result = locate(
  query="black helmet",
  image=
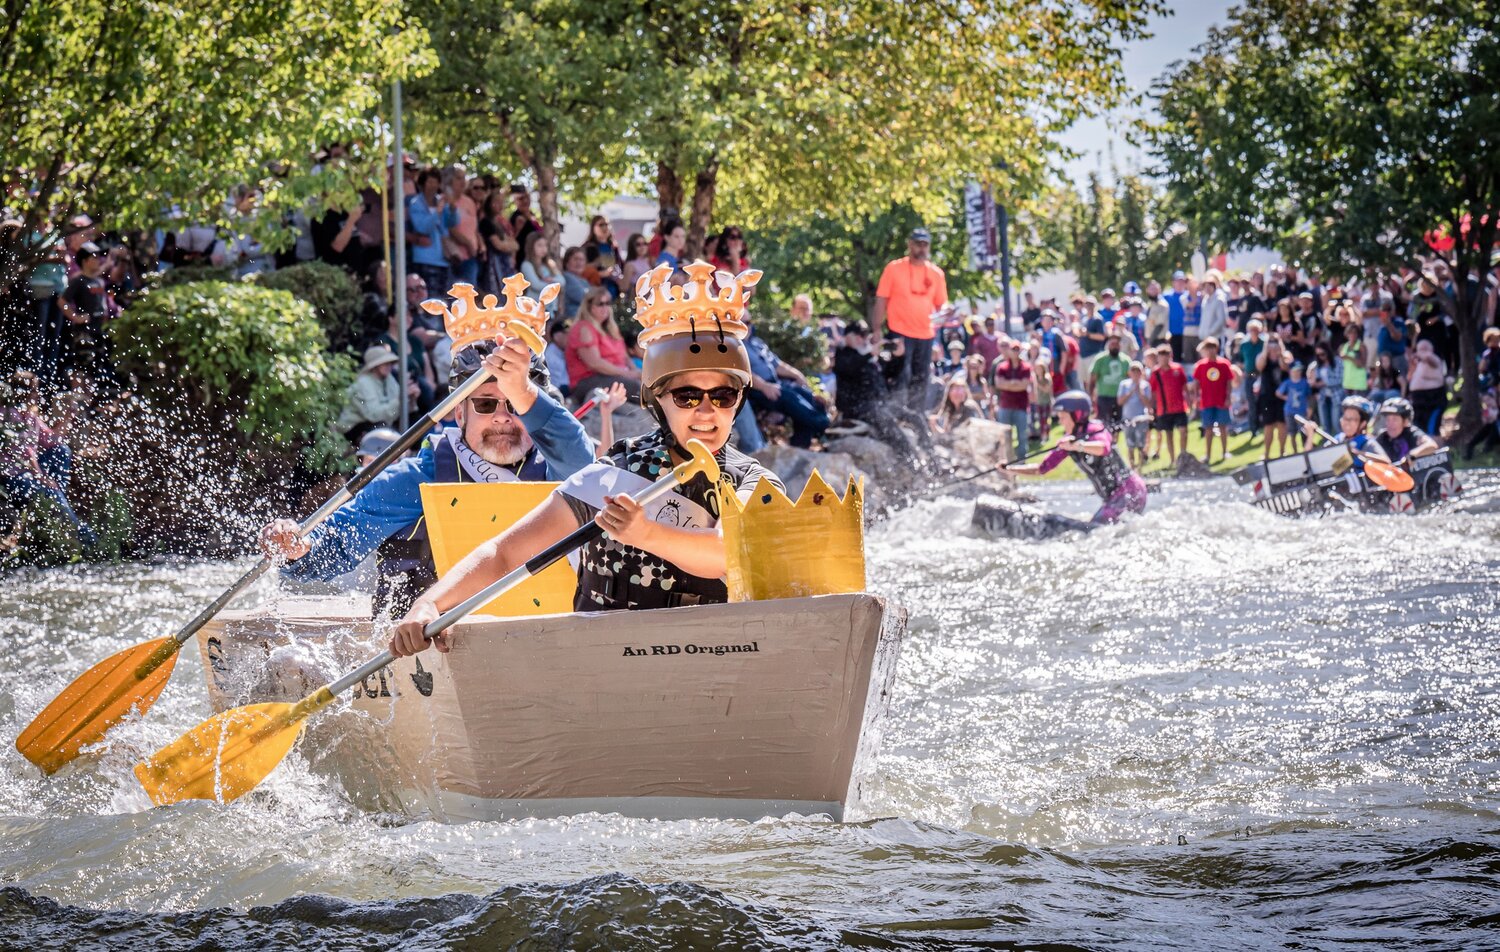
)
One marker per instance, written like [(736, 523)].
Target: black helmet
[(1399, 406), (467, 362), (1360, 405), (1075, 403)]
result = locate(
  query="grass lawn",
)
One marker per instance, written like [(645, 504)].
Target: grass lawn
[(1244, 449)]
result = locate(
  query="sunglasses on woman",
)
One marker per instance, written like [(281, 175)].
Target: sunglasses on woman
[(725, 398), (486, 406)]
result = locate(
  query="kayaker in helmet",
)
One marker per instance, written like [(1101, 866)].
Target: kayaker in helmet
[(1092, 448), (693, 381), (512, 428), (1354, 418), (1399, 439)]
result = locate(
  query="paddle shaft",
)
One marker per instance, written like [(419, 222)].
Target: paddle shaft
[(986, 472), (1304, 421), (360, 480), (558, 550)]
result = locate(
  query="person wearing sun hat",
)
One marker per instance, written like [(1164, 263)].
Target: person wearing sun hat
[(374, 398), (693, 380)]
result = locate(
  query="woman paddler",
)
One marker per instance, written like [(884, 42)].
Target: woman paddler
[(693, 382), (1092, 448)]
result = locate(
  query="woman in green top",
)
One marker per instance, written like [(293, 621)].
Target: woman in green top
[(1352, 354)]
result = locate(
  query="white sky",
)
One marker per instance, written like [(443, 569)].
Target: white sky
[(1174, 37)]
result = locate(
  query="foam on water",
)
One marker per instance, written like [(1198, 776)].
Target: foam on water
[(1204, 716)]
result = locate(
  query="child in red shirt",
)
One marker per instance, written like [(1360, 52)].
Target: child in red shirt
[(1169, 394)]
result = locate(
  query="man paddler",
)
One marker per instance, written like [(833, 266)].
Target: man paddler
[(513, 428), (693, 382)]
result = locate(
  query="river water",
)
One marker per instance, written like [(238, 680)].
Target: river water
[(1207, 728)]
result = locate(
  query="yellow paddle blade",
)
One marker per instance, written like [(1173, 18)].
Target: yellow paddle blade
[(229, 754), (1389, 477), (97, 700)]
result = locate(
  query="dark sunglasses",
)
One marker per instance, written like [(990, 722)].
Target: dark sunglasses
[(486, 406), (725, 398)]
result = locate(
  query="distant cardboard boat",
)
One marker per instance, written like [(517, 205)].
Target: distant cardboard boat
[(1006, 519), (1323, 480), (742, 710)]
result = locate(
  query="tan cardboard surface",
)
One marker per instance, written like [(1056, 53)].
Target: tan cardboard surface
[(617, 705)]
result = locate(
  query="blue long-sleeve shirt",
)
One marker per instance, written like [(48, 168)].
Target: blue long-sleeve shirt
[(393, 500), (425, 220)]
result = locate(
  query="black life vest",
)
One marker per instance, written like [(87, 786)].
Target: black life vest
[(1109, 472), (403, 562), (612, 576)]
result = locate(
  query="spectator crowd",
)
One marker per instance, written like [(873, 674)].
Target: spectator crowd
[(1233, 354)]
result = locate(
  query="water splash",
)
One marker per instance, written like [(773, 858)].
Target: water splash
[(1205, 715)]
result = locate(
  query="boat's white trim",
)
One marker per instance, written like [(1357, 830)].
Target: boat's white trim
[(462, 806)]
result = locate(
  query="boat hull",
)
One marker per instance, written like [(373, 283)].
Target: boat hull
[(1319, 481), (1005, 519), (738, 711)]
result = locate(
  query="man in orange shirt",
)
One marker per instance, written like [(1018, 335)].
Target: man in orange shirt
[(910, 289)]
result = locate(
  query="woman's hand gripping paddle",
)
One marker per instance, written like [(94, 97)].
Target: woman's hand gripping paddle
[(1386, 475), (132, 679), (229, 754)]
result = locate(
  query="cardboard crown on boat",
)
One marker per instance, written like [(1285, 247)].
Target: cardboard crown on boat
[(460, 516), (777, 548)]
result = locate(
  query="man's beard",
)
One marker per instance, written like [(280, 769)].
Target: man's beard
[(503, 446)]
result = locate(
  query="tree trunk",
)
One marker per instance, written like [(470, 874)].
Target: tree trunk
[(1466, 318), (1471, 255), (704, 186), (668, 188), (545, 169), (865, 276)]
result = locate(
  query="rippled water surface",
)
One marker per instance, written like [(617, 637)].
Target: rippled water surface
[(1208, 728)]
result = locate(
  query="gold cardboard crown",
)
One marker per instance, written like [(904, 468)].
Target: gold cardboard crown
[(663, 309), (776, 548), (469, 320)]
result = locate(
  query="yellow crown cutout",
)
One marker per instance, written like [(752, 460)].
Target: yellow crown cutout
[(776, 548), (470, 320), (664, 310)]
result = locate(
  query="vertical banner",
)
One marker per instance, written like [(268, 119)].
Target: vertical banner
[(983, 228)]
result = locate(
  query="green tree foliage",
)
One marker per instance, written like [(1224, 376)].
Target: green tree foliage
[(801, 345), (125, 109), (1342, 131), (544, 86), (841, 109), (1107, 235), (334, 295), (238, 359), (787, 112)]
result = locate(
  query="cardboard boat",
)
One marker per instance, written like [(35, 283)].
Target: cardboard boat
[(1007, 519), (1324, 480), (742, 710)]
